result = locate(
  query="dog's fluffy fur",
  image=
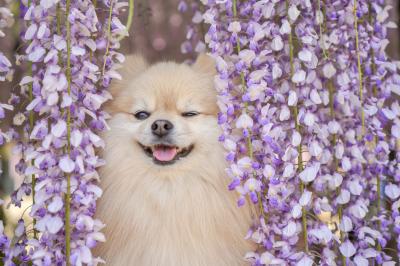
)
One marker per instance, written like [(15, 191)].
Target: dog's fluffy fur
[(168, 215)]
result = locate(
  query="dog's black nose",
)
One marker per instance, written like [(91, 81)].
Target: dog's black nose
[(161, 128)]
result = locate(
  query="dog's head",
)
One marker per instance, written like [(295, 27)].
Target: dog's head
[(165, 113)]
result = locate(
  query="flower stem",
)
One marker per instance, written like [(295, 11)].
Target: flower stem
[(130, 17), (248, 138), (68, 194), (335, 161), (360, 71), (299, 148), (322, 28), (331, 90), (130, 14), (108, 38), (243, 84), (360, 76), (374, 93), (371, 50), (31, 123)]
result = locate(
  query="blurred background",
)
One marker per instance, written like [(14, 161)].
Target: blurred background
[(157, 32)]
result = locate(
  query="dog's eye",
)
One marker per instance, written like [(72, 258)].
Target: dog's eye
[(189, 114), (142, 115)]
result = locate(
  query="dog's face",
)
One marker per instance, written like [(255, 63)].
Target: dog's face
[(166, 113)]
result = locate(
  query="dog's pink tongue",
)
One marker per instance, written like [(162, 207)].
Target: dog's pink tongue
[(164, 154)]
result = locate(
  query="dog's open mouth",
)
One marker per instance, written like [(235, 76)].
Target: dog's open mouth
[(166, 154)]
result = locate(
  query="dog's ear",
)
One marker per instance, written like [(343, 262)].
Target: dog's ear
[(133, 66), (205, 64)]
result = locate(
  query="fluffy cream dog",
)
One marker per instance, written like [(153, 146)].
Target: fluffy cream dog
[(165, 200)]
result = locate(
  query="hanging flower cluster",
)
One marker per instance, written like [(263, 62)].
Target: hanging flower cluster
[(195, 30), (6, 73), (310, 122), (6, 21), (69, 57)]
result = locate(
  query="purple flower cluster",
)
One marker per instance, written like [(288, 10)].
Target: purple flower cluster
[(6, 21), (6, 74), (195, 30), (6, 70), (311, 126), (70, 58)]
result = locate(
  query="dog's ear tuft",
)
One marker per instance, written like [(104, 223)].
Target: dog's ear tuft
[(133, 66), (205, 64)]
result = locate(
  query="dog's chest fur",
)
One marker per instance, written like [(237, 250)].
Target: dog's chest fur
[(177, 218)]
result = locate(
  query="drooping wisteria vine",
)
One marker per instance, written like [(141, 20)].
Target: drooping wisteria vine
[(69, 57), (310, 115), (6, 72), (195, 30)]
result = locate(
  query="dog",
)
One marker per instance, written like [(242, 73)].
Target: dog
[(165, 199)]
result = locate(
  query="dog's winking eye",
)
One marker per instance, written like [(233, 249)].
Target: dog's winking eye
[(142, 115), (190, 114)]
